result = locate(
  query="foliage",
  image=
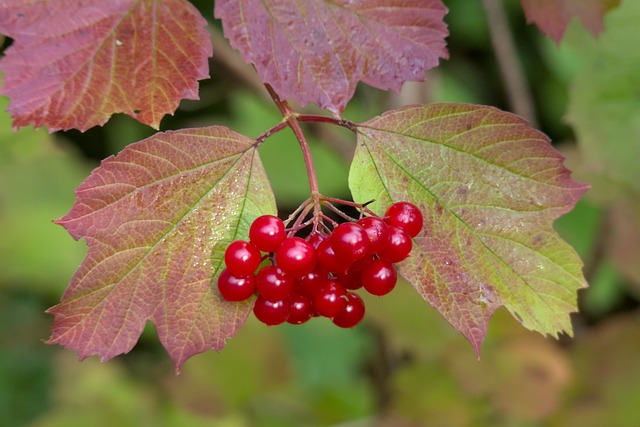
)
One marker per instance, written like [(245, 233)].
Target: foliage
[(405, 365), (158, 215)]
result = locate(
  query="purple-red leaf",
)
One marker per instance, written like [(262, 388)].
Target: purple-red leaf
[(553, 16), (317, 51), (75, 63), (157, 219), (490, 188)]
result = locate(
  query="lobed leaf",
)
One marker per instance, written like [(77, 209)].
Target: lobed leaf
[(157, 219), (75, 63), (490, 188), (553, 16), (317, 51), (605, 113)]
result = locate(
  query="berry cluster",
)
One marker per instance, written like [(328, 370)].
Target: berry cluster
[(317, 276)]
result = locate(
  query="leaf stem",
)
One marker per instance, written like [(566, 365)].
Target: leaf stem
[(266, 134), (325, 119)]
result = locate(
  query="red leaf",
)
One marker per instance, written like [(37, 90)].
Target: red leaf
[(74, 63), (490, 188), (157, 219), (553, 16), (317, 51)]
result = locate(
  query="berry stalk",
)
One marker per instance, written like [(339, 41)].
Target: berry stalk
[(292, 120)]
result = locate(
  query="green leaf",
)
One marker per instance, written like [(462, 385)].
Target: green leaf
[(604, 110), (157, 218), (490, 188), (604, 107)]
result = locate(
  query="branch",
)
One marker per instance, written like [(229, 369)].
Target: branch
[(507, 56)]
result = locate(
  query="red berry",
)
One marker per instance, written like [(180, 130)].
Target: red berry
[(271, 313), (273, 284), (406, 216), (310, 284), (360, 264), (349, 241), (242, 258), (331, 299), (315, 238), (379, 278), (328, 259), (398, 247), (234, 288), (267, 232), (300, 310), (296, 257), (377, 231), (351, 279), (352, 313)]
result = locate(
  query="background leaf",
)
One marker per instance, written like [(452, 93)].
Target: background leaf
[(157, 219), (490, 188), (604, 109), (317, 51), (553, 16), (75, 63)]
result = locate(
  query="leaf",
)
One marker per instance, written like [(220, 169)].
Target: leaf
[(489, 187), (157, 219), (317, 51), (553, 16), (604, 108), (75, 63)]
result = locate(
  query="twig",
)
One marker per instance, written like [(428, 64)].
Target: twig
[(507, 56)]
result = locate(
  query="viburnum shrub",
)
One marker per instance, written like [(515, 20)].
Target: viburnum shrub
[(182, 229)]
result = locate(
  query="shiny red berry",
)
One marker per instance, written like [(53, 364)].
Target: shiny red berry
[(315, 238), (273, 284), (360, 264), (242, 258), (398, 247), (328, 260), (331, 299), (406, 216), (296, 257), (352, 313), (233, 288), (310, 284), (271, 313), (300, 311), (377, 231), (351, 279), (379, 278), (267, 232), (349, 241)]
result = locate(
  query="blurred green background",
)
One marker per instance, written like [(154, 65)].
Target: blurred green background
[(404, 366)]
